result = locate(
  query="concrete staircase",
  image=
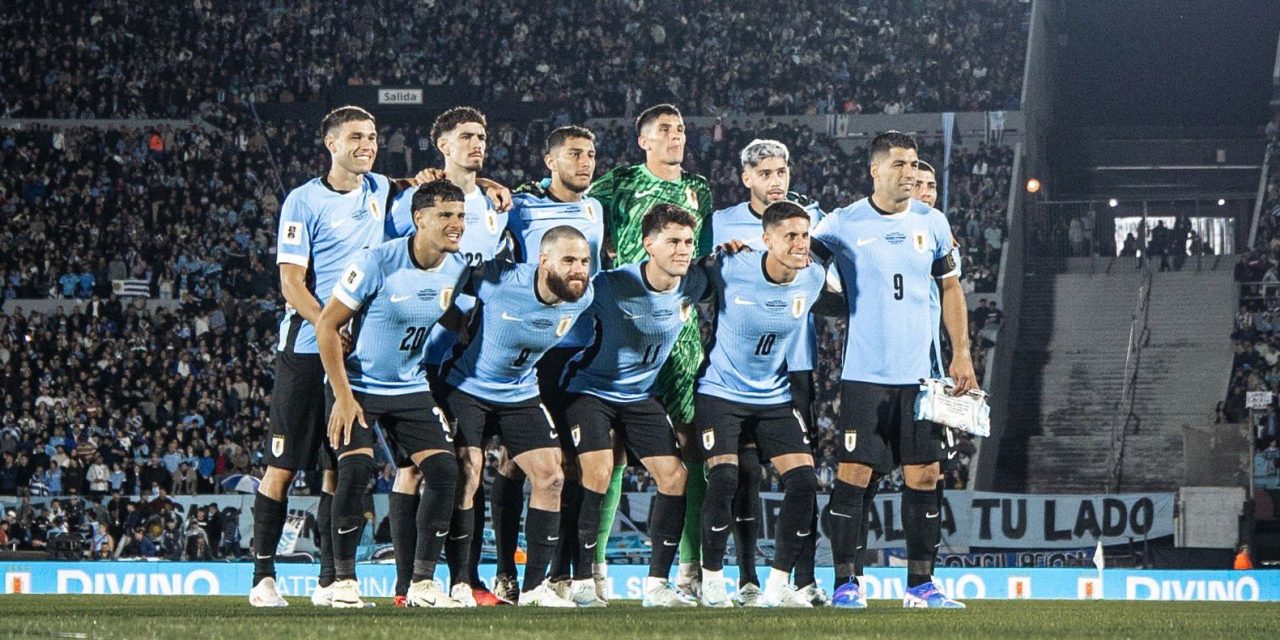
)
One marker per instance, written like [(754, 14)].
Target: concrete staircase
[(1182, 372), (1069, 377)]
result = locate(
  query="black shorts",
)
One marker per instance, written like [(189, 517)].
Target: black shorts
[(643, 426), (878, 422), (722, 425), (411, 423), (551, 368), (298, 436), (524, 426)]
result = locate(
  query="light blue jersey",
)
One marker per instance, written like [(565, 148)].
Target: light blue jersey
[(533, 213), (755, 319), (512, 329), (637, 327), (482, 240), (397, 302), (740, 223), (887, 262), (323, 230)]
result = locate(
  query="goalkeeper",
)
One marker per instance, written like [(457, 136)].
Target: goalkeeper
[(626, 194)]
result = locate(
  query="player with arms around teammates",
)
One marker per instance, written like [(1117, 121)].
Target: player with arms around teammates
[(766, 172), (890, 249), (763, 302), (492, 387), (639, 312), (627, 194), (392, 295)]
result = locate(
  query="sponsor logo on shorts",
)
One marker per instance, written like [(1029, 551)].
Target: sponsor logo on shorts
[(708, 439), (850, 441), (576, 432), (277, 445)]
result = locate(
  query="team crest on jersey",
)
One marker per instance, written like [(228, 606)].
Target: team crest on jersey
[(563, 327), (850, 441), (292, 233), (589, 212), (708, 439), (491, 220), (691, 197), (797, 305), (373, 208), (686, 309), (919, 239), (277, 445), (576, 432), (446, 297)]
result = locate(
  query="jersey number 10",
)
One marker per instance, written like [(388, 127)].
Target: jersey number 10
[(765, 346)]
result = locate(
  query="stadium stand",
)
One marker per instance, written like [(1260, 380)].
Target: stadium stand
[(192, 58)]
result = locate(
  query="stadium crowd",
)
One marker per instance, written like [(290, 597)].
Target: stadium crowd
[(136, 59), (1256, 365)]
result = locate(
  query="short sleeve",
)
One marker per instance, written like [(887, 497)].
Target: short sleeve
[(360, 281), (293, 238)]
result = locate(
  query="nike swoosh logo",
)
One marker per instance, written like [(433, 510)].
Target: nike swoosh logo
[(744, 519), (951, 455), (343, 532), (553, 539), (441, 534), (714, 528), (647, 192), (666, 543), (458, 537), (803, 535), (507, 316), (395, 299), (628, 316), (262, 557), (738, 300), (338, 223), (865, 241), (931, 515), (591, 546), (840, 515)]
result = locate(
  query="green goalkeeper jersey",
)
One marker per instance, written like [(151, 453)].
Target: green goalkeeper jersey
[(627, 193)]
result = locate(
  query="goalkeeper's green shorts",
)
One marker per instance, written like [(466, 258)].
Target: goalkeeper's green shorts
[(678, 378)]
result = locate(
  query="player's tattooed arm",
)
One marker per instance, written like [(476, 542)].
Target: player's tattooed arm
[(346, 411)]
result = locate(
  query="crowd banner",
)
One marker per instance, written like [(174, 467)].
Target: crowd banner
[(971, 520), (626, 581), (979, 519)]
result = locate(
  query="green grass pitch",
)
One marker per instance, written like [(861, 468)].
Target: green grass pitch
[(226, 617)]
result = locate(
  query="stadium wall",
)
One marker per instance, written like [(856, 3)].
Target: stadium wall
[(378, 580)]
